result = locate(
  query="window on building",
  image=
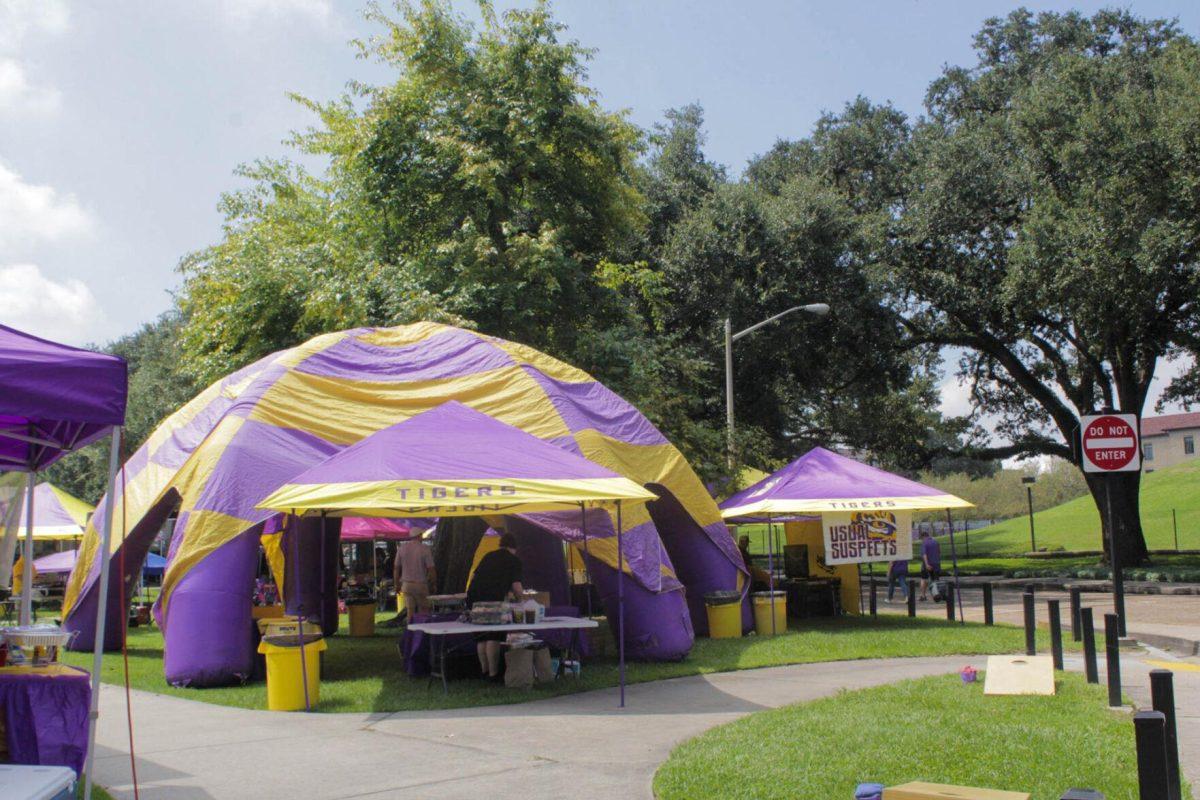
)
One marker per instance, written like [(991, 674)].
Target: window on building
[(1189, 445), (1148, 451)]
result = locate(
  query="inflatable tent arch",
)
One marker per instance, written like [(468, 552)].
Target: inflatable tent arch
[(222, 453)]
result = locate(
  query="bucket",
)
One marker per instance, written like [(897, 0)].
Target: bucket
[(762, 613), (362, 618), (724, 614), (286, 676)]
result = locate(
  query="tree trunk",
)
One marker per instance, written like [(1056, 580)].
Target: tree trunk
[(1116, 497), (454, 547)]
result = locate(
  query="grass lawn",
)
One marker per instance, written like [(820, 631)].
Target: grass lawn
[(365, 674), (1162, 567), (934, 729), (1075, 525)]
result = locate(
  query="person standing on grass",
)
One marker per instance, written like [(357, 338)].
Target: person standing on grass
[(898, 574), (414, 575), (497, 576), (931, 562)]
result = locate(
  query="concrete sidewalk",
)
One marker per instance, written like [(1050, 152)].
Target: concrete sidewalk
[(575, 745)]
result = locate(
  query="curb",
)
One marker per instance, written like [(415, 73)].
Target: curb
[(1176, 644)]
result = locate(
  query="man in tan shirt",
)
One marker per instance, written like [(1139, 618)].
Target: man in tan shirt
[(414, 573)]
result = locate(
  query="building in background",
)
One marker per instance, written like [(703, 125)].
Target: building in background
[(1169, 440)]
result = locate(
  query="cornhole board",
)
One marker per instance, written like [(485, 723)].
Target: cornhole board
[(1019, 675), (918, 790)]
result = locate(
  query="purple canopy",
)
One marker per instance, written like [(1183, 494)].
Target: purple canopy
[(821, 481), (56, 563), (56, 399)]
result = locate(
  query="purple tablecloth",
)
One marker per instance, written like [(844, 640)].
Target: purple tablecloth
[(45, 716), (415, 645)]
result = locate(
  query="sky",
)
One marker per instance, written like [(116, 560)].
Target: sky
[(121, 122)]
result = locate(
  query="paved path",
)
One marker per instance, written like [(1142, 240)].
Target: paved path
[(579, 745)]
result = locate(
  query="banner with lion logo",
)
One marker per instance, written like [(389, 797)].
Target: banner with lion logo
[(859, 537)]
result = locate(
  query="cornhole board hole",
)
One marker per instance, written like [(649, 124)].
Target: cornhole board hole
[(1019, 675), (918, 790)]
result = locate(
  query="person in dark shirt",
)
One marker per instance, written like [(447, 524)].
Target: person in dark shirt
[(931, 562), (498, 573)]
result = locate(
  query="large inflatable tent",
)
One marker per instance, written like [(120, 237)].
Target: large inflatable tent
[(220, 455)]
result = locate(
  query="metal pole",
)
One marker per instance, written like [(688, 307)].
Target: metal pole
[(1150, 735), (1030, 629), (587, 568), (871, 580), (1118, 577), (1089, 645), (954, 562), (1076, 623), (1112, 653), (1162, 698), (729, 448), (1056, 647), (1175, 527), (771, 568), (26, 615), (300, 605), (1032, 538), (620, 605), (101, 609)]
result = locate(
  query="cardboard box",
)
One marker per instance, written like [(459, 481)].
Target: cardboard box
[(918, 790)]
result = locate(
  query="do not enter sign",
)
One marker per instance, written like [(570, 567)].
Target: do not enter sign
[(1110, 443)]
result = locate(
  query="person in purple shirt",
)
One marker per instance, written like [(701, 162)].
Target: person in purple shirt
[(898, 575), (931, 562)]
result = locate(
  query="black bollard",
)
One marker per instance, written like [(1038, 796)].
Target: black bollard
[(1089, 645), (1162, 698), (1082, 794), (1112, 654), (874, 599), (912, 598), (1149, 732), (1056, 648), (1030, 629), (1076, 629), (951, 590), (988, 615)]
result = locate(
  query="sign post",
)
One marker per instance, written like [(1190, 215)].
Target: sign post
[(1108, 444)]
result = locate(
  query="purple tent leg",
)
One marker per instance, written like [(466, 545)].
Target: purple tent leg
[(208, 636), (620, 605)]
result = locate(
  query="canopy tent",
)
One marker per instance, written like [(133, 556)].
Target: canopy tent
[(56, 563), (57, 514), (452, 461), (821, 481), (245, 435), (154, 565), (57, 399), (367, 529)]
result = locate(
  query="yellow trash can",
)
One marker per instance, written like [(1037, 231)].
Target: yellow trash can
[(724, 614), (362, 618), (287, 625), (286, 673), (762, 613)]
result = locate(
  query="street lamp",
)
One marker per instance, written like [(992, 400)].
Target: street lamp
[(820, 309), (1029, 481)]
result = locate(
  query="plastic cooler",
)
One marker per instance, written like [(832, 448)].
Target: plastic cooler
[(724, 614), (286, 672), (762, 613), (287, 625), (32, 782), (362, 617)]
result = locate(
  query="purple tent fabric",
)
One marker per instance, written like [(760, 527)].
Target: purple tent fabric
[(56, 399), (45, 717), (820, 478)]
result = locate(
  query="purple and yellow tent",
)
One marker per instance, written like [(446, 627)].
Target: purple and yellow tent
[(220, 455)]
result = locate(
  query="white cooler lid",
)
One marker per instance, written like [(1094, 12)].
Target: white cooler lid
[(31, 782)]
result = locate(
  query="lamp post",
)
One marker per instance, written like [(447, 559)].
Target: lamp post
[(1029, 481), (820, 309)]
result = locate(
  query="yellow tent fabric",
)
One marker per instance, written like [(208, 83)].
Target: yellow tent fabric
[(808, 532)]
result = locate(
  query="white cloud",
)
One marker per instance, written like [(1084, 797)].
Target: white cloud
[(32, 213), (956, 397), (17, 94), (64, 311), (242, 12), (20, 18)]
